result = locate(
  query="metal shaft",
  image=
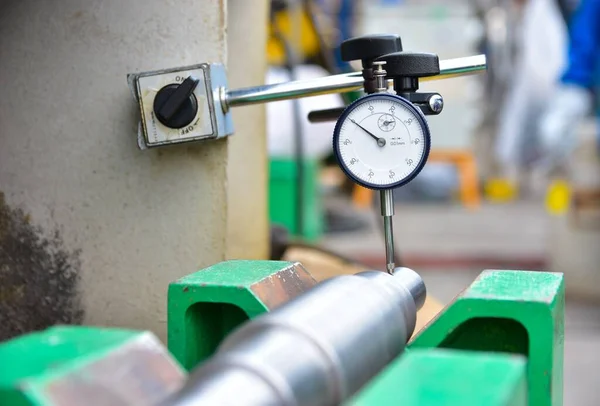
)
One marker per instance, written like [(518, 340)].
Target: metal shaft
[(387, 211), (339, 83), (318, 350)]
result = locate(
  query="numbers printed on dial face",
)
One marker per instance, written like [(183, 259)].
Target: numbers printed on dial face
[(381, 141)]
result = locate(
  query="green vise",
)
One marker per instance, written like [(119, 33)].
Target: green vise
[(505, 330), (74, 365), (205, 306), (507, 323), (433, 377)]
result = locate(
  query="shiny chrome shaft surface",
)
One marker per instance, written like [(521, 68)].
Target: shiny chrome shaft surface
[(317, 350), (340, 83)]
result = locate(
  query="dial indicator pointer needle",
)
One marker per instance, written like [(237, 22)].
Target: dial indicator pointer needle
[(380, 141)]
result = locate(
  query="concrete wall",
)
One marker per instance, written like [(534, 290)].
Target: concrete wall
[(91, 229), (247, 217)]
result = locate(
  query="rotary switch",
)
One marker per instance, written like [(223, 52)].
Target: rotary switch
[(175, 105)]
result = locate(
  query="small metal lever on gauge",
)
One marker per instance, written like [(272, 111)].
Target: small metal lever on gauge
[(321, 116), (431, 104)]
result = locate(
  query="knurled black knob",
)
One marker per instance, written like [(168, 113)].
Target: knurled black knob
[(369, 47), (410, 64), (175, 105)]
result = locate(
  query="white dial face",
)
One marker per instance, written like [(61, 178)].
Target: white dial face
[(382, 141)]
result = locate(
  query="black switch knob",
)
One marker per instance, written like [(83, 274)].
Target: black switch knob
[(369, 47), (405, 68), (175, 105)]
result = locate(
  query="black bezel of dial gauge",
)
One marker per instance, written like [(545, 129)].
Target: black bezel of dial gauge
[(426, 139)]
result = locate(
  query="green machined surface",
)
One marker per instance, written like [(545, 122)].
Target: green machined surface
[(204, 307), (32, 362), (433, 377), (352, 96), (517, 312), (283, 202)]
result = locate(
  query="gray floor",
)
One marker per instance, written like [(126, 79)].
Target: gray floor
[(512, 232)]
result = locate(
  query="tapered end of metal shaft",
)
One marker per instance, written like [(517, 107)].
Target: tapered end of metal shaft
[(414, 283)]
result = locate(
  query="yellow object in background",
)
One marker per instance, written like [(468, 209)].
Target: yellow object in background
[(308, 41), (558, 197), (499, 190)]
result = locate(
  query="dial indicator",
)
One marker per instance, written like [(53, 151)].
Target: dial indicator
[(381, 141)]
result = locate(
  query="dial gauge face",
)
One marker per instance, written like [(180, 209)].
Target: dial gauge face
[(381, 141)]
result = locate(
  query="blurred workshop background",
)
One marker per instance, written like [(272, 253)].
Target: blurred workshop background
[(513, 180)]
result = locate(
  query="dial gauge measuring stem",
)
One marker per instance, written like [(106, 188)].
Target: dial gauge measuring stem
[(381, 141)]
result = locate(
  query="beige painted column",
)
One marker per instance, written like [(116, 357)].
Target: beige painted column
[(247, 172), (91, 228)]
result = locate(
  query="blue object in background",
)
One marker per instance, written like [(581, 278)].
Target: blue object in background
[(584, 41), (345, 23), (583, 65), (344, 19)]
